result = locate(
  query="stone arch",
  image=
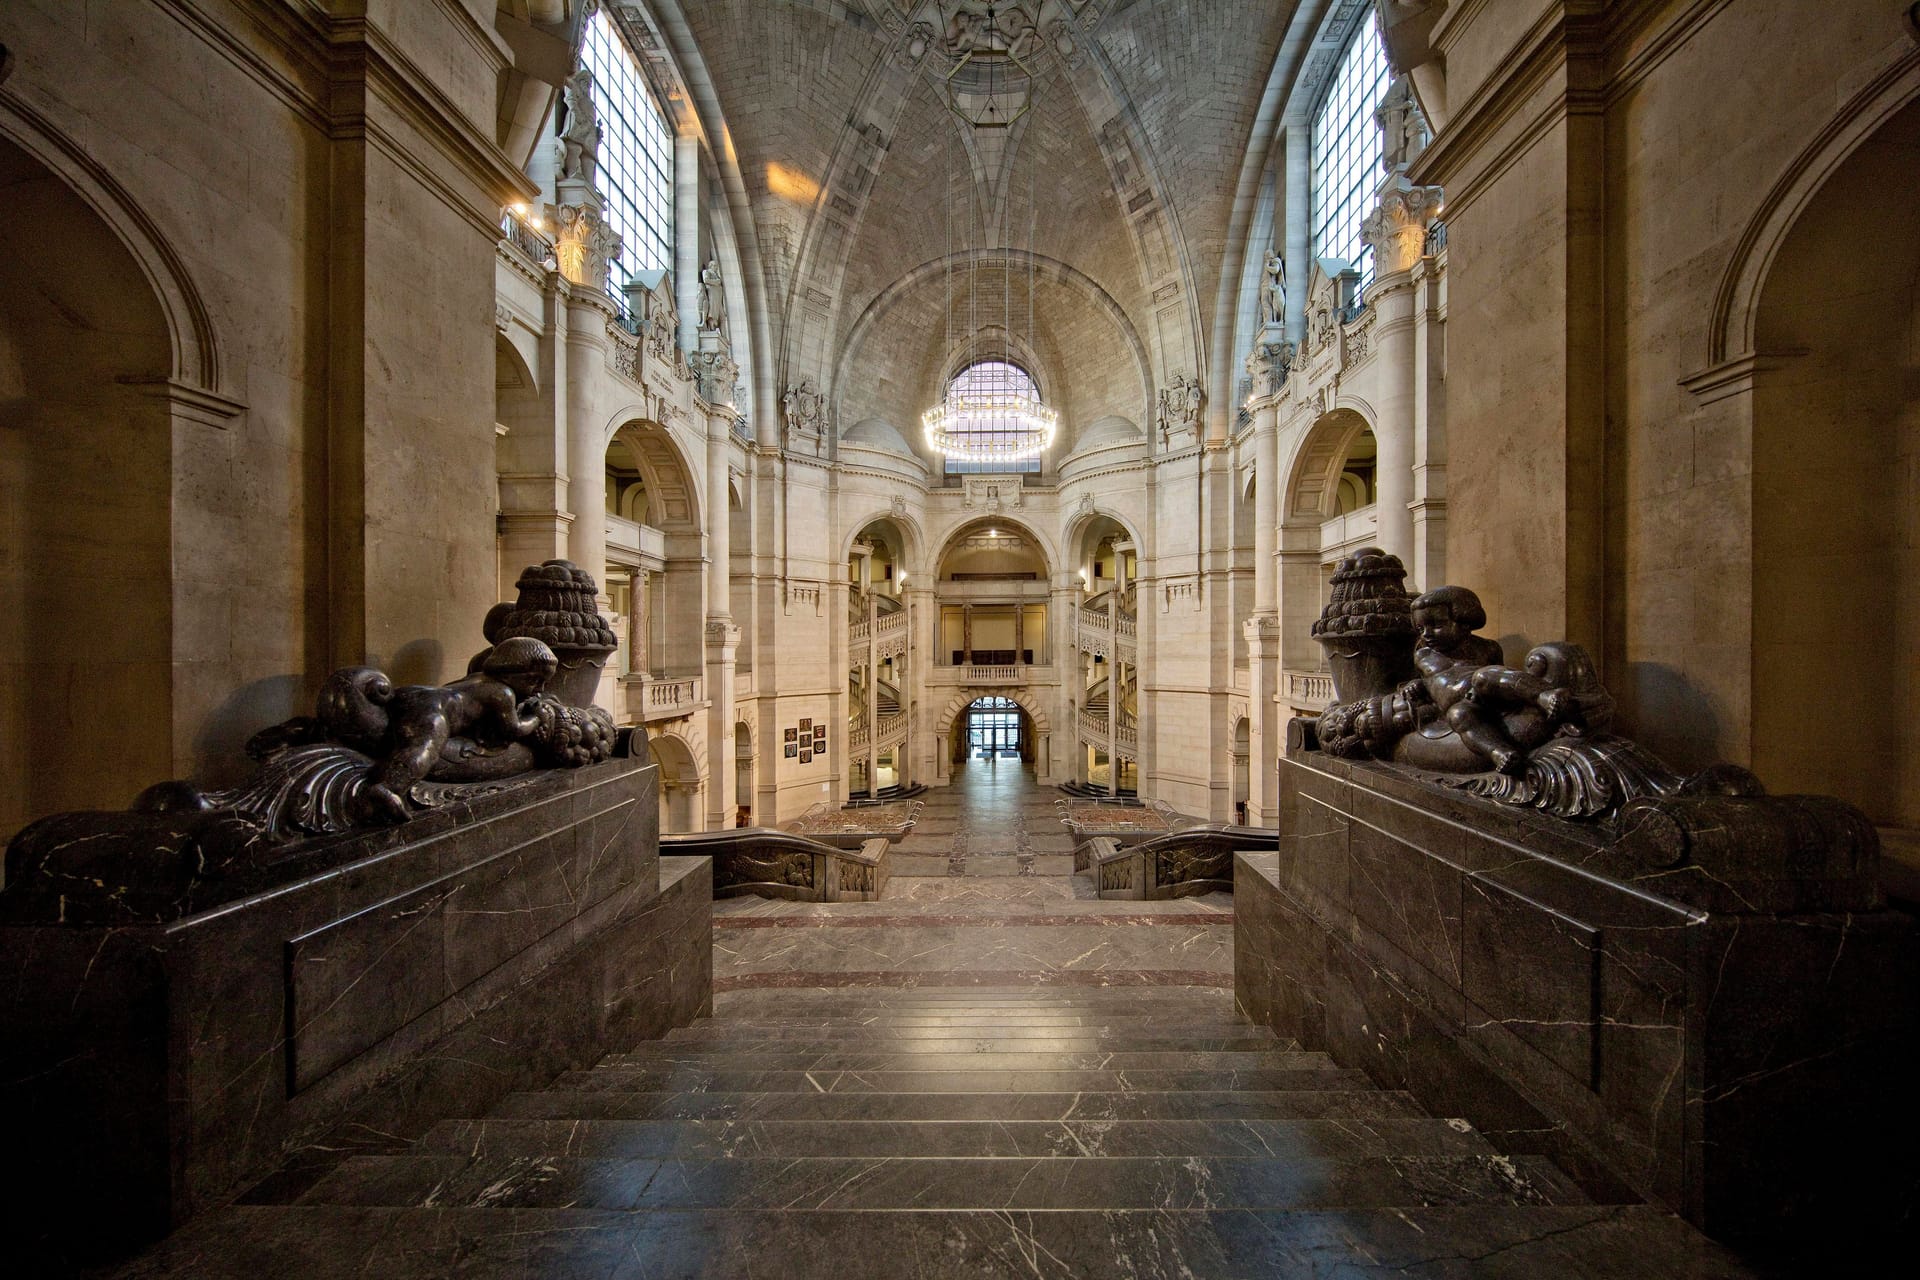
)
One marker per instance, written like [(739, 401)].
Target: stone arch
[(671, 486), (1046, 270), (910, 531), (1732, 330), (196, 358), (88, 462), (681, 780), (1313, 473), (1835, 487), (1074, 534), (964, 698), (1049, 553)]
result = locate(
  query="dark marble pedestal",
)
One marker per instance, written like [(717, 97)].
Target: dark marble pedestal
[(151, 1070), (1738, 1049)]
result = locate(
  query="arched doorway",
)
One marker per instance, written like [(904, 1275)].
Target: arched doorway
[(1836, 491), (993, 731), (1242, 767), (680, 783), (742, 775), (87, 513)]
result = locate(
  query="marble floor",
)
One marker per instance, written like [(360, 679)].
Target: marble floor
[(987, 1073)]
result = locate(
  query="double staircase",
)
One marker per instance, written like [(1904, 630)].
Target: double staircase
[(1055, 1132)]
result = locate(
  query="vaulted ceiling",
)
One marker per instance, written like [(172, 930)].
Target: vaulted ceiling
[(863, 184)]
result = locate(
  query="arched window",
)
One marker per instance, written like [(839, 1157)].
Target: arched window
[(993, 391), (1346, 149), (636, 152)]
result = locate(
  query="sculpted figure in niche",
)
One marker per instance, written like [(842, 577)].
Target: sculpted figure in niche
[(580, 143), (713, 298), (1273, 291), (1467, 682)]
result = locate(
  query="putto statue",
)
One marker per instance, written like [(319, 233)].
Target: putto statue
[(372, 754), (580, 142), (1417, 688)]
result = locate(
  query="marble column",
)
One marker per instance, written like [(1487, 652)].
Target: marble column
[(722, 644), (686, 238), (1397, 230), (587, 315), (1296, 244)]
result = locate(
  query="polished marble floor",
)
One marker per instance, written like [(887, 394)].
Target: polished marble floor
[(983, 895), (987, 1073)]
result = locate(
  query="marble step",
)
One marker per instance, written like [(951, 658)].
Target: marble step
[(843, 1058), (704, 1140), (982, 1040), (856, 1002), (1486, 1242), (968, 1023), (1010, 1080), (1000, 1184), (1214, 1106)]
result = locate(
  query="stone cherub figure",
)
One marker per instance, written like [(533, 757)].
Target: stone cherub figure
[(1467, 681), (406, 728)]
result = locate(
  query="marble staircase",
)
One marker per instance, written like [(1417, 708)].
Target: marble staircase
[(1051, 1132)]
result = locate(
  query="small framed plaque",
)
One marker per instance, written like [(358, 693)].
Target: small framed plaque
[(806, 757), (793, 749)]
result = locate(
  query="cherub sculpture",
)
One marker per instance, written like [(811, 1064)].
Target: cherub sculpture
[(1465, 678)]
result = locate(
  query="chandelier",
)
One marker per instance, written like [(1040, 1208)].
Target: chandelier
[(992, 426)]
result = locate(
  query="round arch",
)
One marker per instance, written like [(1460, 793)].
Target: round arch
[(1313, 473), (1733, 326), (1049, 553), (1046, 269), (964, 698), (1076, 530), (681, 781), (197, 359), (916, 541), (668, 474)]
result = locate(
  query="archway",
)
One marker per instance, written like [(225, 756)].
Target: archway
[(87, 648), (743, 774), (1326, 508), (680, 782), (1242, 767), (993, 730), (1836, 491), (656, 577)]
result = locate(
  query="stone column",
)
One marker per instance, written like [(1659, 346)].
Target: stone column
[(1266, 727), (587, 314), (1266, 501), (1397, 230), (719, 522), (1296, 243), (686, 238), (722, 644)]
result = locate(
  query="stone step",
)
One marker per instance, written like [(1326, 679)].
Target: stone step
[(967, 1022), (1487, 1242), (896, 1139), (1009, 1080), (1216, 1106), (858, 1002), (1009, 1184), (843, 1058), (982, 1040)]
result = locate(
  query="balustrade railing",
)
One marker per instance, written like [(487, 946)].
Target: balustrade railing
[(1312, 689), (994, 675)]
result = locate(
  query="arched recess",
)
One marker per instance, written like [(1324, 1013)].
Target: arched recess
[(905, 528), (1836, 488), (1734, 339), (91, 641), (652, 485), (681, 782), (1311, 498), (1048, 554), (930, 279), (523, 463), (964, 698), (744, 758), (1090, 527)]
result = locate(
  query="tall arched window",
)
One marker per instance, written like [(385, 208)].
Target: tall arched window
[(1346, 149), (992, 391), (636, 152)]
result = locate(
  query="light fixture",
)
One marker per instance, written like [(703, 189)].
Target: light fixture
[(999, 428)]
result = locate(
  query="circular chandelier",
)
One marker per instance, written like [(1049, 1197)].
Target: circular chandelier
[(997, 428)]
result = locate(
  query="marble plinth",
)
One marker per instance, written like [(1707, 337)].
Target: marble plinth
[(1746, 1067), (154, 1069)]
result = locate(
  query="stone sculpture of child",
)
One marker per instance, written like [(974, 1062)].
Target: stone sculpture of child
[(1465, 677), (405, 728)]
